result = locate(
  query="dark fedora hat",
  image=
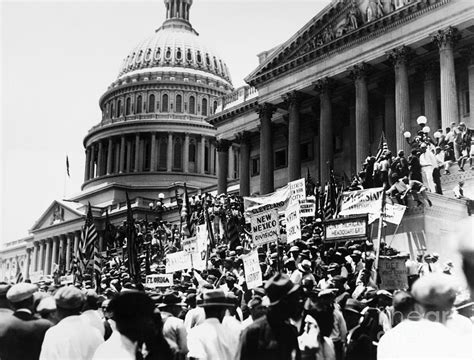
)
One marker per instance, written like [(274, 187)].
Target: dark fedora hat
[(278, 287), (170, 299), (215, 297)]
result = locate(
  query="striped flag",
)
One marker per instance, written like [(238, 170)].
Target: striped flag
[(187, 218), (88, 240), (19, 274), (133, 267), (330, 198), (383, 147)]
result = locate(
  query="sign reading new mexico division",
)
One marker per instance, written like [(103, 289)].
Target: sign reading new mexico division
[(265, 227)]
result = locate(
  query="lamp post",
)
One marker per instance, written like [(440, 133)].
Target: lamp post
[(423, 133)]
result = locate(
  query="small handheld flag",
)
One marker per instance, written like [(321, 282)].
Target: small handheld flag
[(67, 167)]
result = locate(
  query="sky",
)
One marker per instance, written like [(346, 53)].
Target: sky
[(58, 58)]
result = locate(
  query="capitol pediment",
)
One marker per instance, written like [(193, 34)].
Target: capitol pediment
[(59, 212), (338, 26)]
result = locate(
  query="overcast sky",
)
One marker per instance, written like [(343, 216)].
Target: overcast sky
[(57, 59)]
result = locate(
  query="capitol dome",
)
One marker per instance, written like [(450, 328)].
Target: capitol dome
[(153, 132)]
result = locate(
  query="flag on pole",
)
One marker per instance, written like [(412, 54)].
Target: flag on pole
[(67, 167), (88, 240), (330, 198), (133, 267), (383, 147), (19, 274), (187, 217)]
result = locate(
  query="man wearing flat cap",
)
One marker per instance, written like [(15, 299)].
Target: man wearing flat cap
[(429, 337), (72, 337), (21, 332), (272, 336)]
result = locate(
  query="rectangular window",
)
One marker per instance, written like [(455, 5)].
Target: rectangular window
[(467, 105), (281, 159), (306, 151), (255, 166)]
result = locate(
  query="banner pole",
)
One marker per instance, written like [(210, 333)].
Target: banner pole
[(379, 241)]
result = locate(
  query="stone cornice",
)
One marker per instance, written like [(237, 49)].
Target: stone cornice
[(279, 64), (229, 114)]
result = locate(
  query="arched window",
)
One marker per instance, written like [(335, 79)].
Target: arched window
[(204, 107), (164, 104), (151, 103), (214, 107), (177, 155), (119, 108), (162, 154), (192, 152), (111, 113), (192, 105), (128, 106), (138, 108), (179, 103)]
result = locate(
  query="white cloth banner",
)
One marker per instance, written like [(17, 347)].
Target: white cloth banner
[(292, 218), (367, 201), (178, 261), (265, 227), (276, 200), (394, 213), (253, 272)]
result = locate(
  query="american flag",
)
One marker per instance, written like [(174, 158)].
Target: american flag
[(383, 147), (19, 274), (187, 217), (88, 241), (330, 198)]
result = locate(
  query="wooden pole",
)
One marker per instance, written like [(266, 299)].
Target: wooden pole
[(379, 240)]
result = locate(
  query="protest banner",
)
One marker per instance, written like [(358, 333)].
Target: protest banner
[(158, 281), (349, 228), (178, 261), (199, 257), (367, 201), (276, 200), (253, 272), (297, 190), (265, 227), (394, 213), (393, 272), (36, 276), (66, 279), (293, 227), (189, 244), (307, 207)]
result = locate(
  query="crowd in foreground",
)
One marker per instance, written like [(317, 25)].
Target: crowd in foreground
[(314, 303)]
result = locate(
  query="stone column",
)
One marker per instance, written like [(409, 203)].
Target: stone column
[(137, 153), (54, 257), (430, 94), (116, 168), (169, 153), (222, 147), (358, 74), (153, 155), (399, 58), (352, 128), (212, 157), (231, 170), (68, 252), (128, 168), (47, 262), (293, 100), (389, 112), (186, 153), (265, 112), (468, 55), (326, 142), (87, 166), (122, 154), (28, 263), (41, 255), (110, 153), (91, 163), (202, 155), (34, 265), (100, 158), (244, 172), (446, 40), (77, 237)]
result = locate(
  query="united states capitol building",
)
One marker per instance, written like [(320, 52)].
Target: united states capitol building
[(322, 98)]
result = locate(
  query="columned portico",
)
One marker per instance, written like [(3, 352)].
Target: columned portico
[(292, 101), (400, 58), (325, 128), (244, 171), (446, 40), (265, 112), (222, 147), (359, 73)]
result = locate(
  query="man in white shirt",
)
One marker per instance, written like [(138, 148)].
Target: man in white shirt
[(212, 340), (90, 313), (428, 164), (72, 337)]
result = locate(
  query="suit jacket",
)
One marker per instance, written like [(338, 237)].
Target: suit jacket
[(21, 335)]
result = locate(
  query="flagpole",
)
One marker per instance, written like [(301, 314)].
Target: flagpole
[(379, 241)]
